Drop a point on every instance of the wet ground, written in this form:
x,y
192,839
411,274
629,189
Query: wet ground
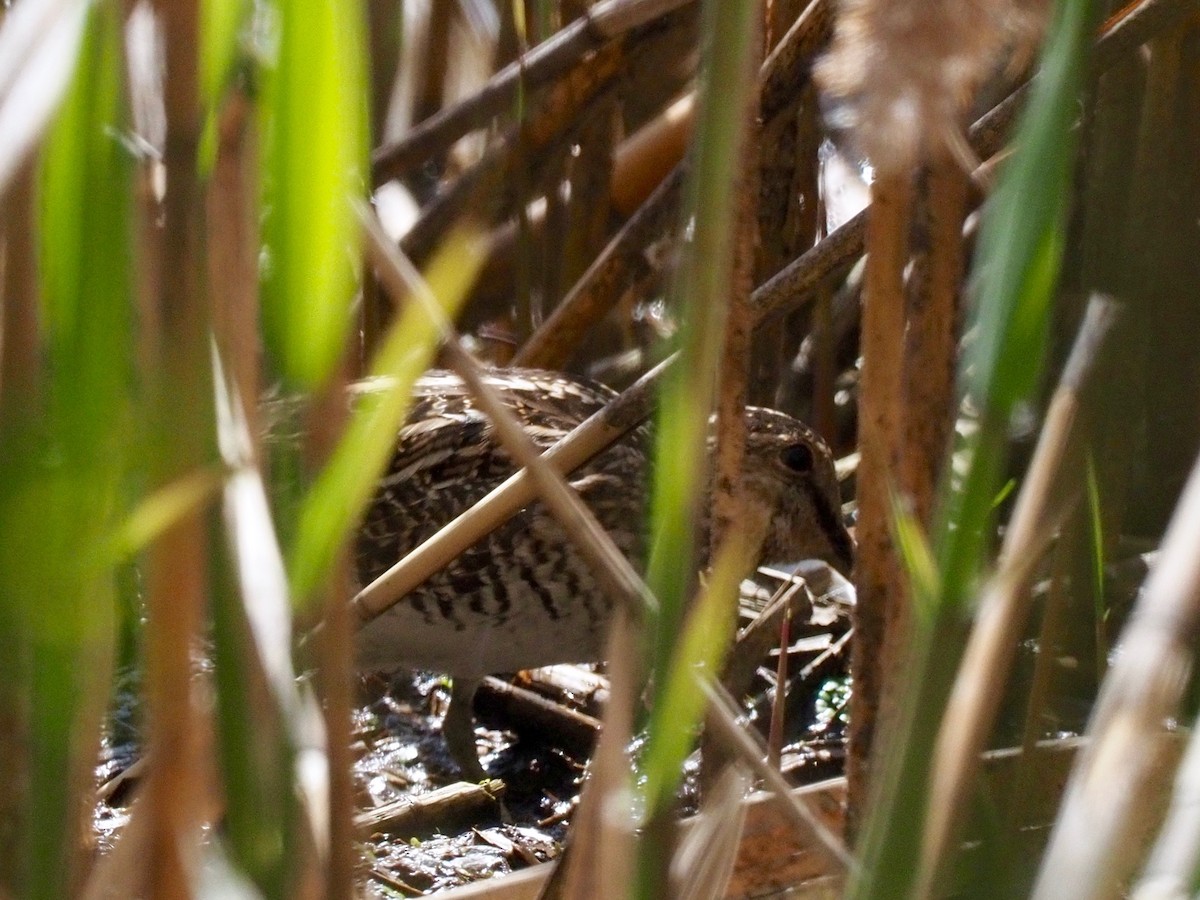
x,y
538,766
403,755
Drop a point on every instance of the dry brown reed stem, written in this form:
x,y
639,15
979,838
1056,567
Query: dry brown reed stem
x,y
20,356
790,212
1176,851
788,67
176,573
122,872
602,23
1029,781
414,815
1045,498
1152,167
520,147
732,390
1135,23
233,242
823,364
733,373
551,345
600,859
336,654
778,705
704,861
733,377
555,340
797,282
881,616
649,156
931,339
1125,768
722,719
335,650
791,220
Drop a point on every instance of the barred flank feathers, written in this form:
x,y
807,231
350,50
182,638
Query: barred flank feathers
x,y
901,73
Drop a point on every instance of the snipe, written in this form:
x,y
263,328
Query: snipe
x,y
523,596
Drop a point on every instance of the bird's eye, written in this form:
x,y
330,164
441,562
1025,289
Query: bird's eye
x,y
798,458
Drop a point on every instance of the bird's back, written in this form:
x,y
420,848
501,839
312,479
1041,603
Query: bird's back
x,y
522,596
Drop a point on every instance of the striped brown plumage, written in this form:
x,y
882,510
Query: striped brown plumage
x,y
524,596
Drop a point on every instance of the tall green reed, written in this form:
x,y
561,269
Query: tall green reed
x,y
65,449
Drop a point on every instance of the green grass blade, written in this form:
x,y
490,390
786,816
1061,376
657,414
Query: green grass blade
x,y
314,129
62,472
344,487
156,513
681,703
220,22
1095,514
700,293
85,256
1017,265
917,557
